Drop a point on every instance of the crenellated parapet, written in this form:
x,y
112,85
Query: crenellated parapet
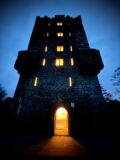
x,y
27,61
89,61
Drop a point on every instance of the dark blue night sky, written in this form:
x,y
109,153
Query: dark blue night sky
x,y
101,20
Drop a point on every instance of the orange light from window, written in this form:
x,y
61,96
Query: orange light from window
x,y
60,48
70,81
59,62
59,23
71,48
60,34
47,34
44,62
36,81
72,61
46,48
69,34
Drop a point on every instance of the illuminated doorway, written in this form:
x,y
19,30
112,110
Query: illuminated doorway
x,y
61,126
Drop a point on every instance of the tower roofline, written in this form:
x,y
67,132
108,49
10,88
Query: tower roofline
x,y
59,16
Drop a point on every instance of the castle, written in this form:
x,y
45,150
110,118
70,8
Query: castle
x,y
58,90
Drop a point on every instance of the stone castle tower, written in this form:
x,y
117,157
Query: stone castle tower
x,y
58,89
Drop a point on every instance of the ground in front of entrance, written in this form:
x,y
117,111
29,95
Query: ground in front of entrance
x,y
56,147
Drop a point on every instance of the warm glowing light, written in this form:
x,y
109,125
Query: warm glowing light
x,y
61,122
72,61
47,34
71,49
44,62
70,81
46,48
59,62
60,48
48,24
36,81
61,113
60,34
59,23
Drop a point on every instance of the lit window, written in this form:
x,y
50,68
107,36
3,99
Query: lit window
x,y
47,34
59,23
48,24
72,61
44,62
46,48
60,34
60,48
69,34
35,81
59,62
71,49
70,82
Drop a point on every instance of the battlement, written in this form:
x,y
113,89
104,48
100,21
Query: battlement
x,y
89,61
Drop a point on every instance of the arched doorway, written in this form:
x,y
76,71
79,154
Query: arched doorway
x,y
61,122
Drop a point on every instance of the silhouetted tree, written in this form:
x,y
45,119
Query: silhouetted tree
x,y
2,96
6,119
7,104
116,80
2,93
116,77
107,96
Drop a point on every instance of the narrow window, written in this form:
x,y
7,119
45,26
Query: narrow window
x,y
35,81
72,61
71,48
69,34
59,62
44,62
46,48
59,23
60,34
47,34
60,48
70,82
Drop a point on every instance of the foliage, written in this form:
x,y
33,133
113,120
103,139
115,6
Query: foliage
x,y
2,93
116,80
107,96
116,77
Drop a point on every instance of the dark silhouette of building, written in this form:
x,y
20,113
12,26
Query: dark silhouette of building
x,y
58,90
